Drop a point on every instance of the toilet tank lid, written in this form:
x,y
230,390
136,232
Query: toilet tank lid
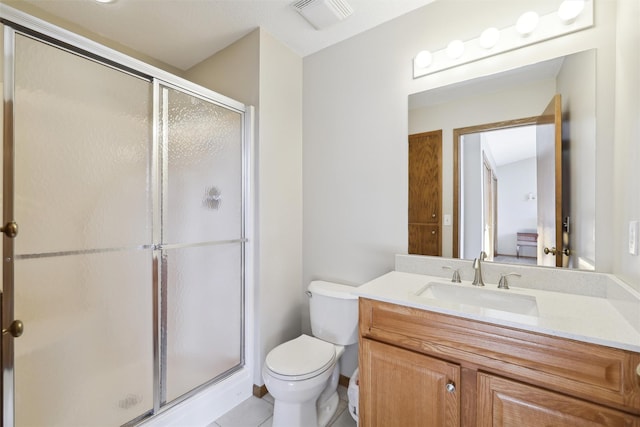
x,y
331,289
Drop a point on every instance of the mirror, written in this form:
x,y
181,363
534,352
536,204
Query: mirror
x,y
487,116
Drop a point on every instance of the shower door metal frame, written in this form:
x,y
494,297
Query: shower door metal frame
x,y
6,346
18,22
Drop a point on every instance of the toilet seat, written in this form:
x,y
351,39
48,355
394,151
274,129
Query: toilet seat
x,y
301,358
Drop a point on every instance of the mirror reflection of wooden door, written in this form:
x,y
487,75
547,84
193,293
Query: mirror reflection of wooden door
x,y
425,193
549,176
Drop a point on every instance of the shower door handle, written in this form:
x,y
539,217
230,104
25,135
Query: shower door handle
x,y
16,328
10,229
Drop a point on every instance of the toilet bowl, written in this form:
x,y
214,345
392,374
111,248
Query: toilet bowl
x,y
299,375
302,374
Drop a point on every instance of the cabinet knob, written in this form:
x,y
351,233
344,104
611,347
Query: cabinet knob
x,y
451,387
433,215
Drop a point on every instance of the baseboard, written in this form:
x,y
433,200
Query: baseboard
x,y
260,390
344,381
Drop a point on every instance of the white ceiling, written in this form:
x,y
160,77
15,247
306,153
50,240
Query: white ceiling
x,y
183,33
512,144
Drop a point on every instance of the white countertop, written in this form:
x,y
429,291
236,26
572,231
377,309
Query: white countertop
x,y
584,318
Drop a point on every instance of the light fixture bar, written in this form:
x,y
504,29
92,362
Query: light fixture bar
x,y
549,26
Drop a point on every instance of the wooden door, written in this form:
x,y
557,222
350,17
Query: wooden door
x,y
549,183
505,403
402,388
425,193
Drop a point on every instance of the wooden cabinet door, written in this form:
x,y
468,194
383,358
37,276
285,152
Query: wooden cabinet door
x,y
504,403
402,388
424,239
425,193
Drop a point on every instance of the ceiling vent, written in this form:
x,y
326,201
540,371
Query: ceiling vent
x,y
323,13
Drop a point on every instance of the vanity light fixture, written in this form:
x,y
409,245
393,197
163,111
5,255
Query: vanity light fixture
x,y
423,59
105,1
455,49
527,22
569,10
489,38
531,28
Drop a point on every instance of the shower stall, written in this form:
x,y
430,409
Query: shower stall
x,y
124,246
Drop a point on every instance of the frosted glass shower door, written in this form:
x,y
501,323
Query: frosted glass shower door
x,y
83,257
202,240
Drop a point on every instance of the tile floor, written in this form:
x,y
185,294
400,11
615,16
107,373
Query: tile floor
x,y
256,412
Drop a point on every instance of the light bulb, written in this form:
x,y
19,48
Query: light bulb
x,y
527,22
423,59
489,37
569,10
455,49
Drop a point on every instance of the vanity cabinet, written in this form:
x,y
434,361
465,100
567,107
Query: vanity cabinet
x,y
415,389
503,403
421,365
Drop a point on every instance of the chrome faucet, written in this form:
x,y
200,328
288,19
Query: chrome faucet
x,y
477,266
503,283
456,274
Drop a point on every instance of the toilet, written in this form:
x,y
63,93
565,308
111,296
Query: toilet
x,y
302,374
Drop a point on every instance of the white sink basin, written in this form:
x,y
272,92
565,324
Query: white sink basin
x,y
486,299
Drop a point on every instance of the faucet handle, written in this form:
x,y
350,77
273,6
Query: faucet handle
x,y
456,273
502,283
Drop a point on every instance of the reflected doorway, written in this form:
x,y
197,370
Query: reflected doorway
x,y
498,179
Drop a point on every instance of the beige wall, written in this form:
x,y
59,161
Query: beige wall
x,y
260,71
240,60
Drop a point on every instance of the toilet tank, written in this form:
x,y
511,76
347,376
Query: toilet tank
x,y
334,312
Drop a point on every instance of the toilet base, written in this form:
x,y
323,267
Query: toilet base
x,y
294,414
311,412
